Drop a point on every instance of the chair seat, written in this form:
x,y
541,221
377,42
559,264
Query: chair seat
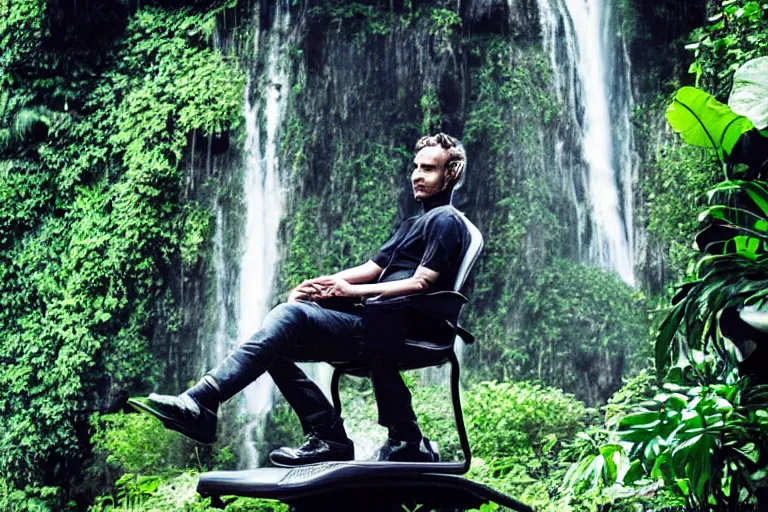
x,y
417,354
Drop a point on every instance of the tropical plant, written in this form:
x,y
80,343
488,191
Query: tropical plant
x,y
709,441
736,33
132,442
703,121
732,271
706,444
705,433
604,463
703,436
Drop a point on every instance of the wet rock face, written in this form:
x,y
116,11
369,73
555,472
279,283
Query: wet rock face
x,y
365,82
361,88
515,17
382,75
366,79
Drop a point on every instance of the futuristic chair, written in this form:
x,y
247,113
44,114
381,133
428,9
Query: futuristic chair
x,y
374,485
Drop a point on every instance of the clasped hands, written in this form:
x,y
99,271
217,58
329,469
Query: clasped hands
x,y
320,288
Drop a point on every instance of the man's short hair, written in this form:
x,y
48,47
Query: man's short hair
x,y
457,157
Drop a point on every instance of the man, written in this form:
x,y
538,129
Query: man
x,y
423,256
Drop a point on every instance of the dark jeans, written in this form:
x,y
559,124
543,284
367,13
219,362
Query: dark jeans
x,y
305,331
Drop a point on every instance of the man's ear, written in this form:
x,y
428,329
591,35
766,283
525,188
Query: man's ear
x,y
453,176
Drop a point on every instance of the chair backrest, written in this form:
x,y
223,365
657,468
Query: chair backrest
x,y
473,251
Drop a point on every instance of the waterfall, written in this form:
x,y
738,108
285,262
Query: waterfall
x,y
592,79
263,196
265,104
222,341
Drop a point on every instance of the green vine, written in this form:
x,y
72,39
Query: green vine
x,y
94,221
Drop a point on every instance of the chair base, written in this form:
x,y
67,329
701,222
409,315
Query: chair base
x,y
356,485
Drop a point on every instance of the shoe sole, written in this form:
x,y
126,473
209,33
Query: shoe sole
x,y
167,422
283,465
435,452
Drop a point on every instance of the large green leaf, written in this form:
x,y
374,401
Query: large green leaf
x,y
746,246
634,472
610,467
639,418
666,336
703,121
749,96
673,401
757,193
738,217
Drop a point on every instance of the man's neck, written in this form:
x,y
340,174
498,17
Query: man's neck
x,y
440,199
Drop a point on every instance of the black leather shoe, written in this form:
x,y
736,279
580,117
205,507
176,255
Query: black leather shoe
x,y
181,413
408,451
313,451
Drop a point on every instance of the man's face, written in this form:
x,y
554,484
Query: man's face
x,y
430,175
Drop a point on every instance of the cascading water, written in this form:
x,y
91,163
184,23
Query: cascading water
x,y
592,82
222,341
265,103
263,197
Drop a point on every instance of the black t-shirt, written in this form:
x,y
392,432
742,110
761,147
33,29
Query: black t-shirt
x,y
436,240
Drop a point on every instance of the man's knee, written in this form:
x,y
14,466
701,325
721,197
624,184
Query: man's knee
x,y
290,316
292,309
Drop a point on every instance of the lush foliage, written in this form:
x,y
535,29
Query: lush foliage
x,y
703,437
144,472
132,442
511,93
736,33
172,493
517,431
730,272
704,444
430,105
706,440
366,217
352,227
578,322
93,217
677,176
373,18
675,191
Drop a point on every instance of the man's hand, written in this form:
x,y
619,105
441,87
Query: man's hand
x,y
334,287
311,289
296,296
326,287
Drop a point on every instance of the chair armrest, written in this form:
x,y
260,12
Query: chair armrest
x,y
432,317
465,335
445,305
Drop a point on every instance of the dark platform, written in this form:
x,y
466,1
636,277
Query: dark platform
x,y
357,485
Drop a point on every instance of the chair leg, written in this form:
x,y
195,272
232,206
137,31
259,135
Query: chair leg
x,y
458,413
337,372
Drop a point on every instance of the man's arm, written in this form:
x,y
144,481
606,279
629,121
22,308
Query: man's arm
x,y
314,288
419,282
442,250
368,272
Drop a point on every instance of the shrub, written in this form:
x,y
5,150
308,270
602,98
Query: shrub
x,y
583,330
134,443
